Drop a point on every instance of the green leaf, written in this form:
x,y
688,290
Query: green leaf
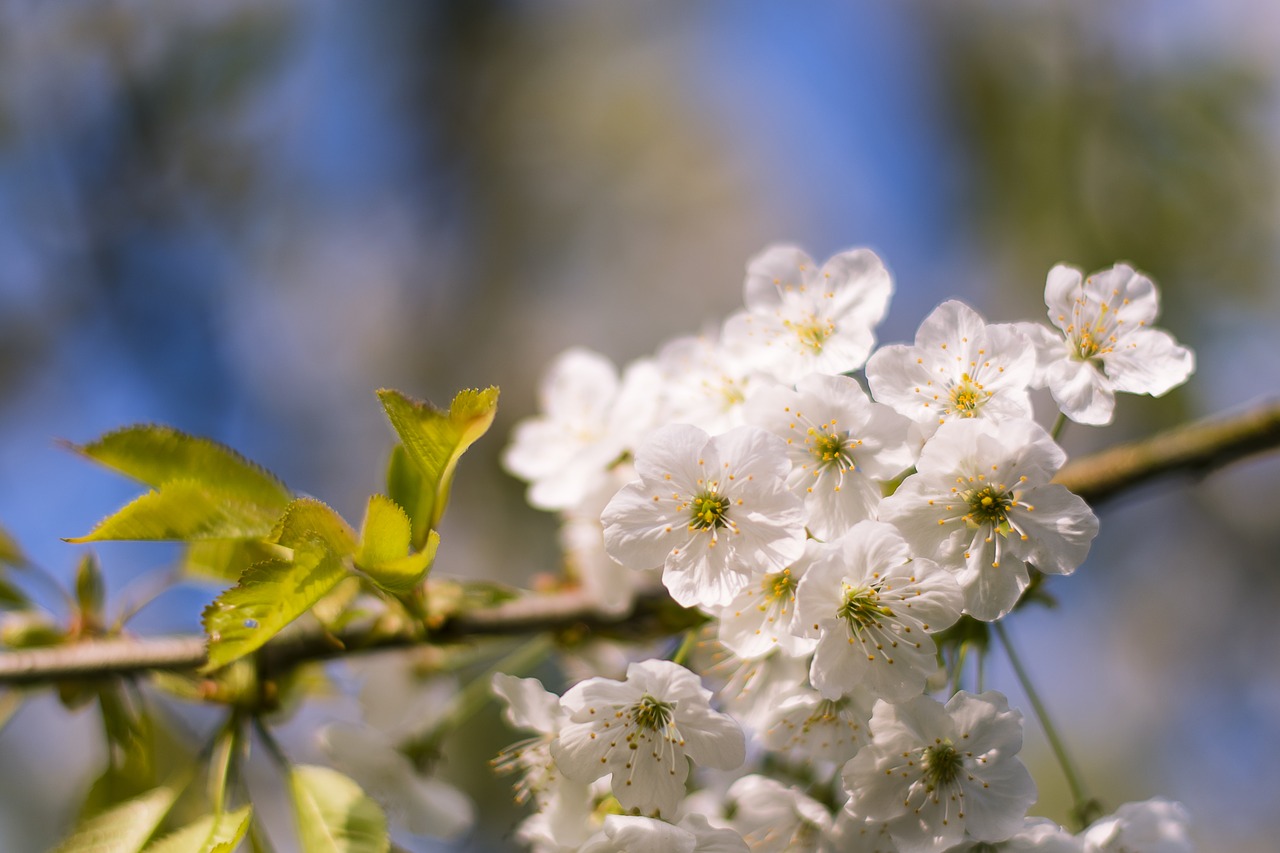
x,y
215,833
201,489
333,815
273,593
11,597
405,485
185,511
434,440
159,455
384,542
123,829
226,559
91,591
10,552
269,596
307,521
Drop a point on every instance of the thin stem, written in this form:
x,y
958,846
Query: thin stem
x,y
220,762
686,646
1058,426
479,691
957,670
981,675
272,745
1082,803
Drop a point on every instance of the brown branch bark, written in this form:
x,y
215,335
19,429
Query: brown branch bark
x,y
1192,449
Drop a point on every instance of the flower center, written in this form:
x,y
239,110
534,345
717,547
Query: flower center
x,y
710,511
779,586
861,608
967,396
989,505
942,764
651,714
812,333
831,450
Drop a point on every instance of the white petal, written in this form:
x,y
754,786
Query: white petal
x,y
1081,391
529,704
1149,361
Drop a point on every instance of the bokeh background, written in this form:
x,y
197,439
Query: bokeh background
x,y
241,218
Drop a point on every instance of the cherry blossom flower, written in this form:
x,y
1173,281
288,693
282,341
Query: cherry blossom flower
x,y
1105,342
1152,826
820,729
633,834
713,511
589,419
872,607
959,367
762,616
802,318
564,816
842,447
706,381
774,818
1037,835
641,731
982,504
934,773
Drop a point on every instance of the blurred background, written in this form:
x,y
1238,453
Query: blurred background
x,y
241,218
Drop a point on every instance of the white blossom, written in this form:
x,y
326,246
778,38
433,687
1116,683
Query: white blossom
x,y
706,381
1037,835
712,511
589,419
820,729
982,504
641,731
774,818
1105,342
1152,826
934,773
802,318
762,616
635,834
872,608
842,446
959,367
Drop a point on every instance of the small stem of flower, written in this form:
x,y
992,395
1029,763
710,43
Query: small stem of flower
x,y
1058,426
1082,805
957,667
981,675
220,762
273,746
479,691
686,646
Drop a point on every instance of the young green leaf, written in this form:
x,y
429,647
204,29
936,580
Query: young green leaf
x,y
406,486
11,597
384,542
158,455
123,829
273,593
307,520
269,596
215,833
434,440
185,511
201,489
10,552
333,815
226,559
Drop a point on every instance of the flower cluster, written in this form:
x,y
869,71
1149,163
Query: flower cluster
x,y
829,534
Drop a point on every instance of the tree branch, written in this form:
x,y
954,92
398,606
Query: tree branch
x,y
1193,448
